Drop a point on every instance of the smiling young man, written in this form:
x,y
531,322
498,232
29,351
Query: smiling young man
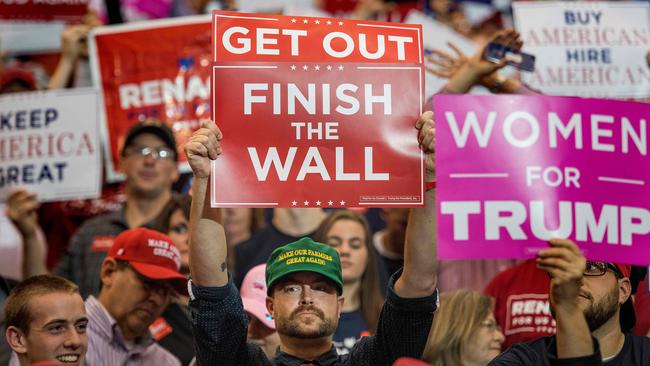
x,y
138,279
305,283
46,321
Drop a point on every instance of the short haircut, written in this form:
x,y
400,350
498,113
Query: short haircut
x,y
17,307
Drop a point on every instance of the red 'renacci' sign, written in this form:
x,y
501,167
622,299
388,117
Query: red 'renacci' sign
x,y
316,112
156,69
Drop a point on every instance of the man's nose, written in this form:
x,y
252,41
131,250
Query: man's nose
x,y
306,297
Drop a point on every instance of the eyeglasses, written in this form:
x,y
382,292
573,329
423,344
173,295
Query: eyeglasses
x,y
165,288
595,269
158,153
491,326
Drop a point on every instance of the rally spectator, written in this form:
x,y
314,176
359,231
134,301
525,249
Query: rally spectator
x,y
240,224
287,225
5,350
465,72
464,331
173,329
592,305
46,321
17,79
73,46
139,277
305,296
148,161
261,326
521,306
349,233
449,13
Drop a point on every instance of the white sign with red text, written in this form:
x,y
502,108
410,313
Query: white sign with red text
x,y
49,144
588,49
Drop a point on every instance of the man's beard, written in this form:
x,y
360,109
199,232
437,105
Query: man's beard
x,y
291,326
599,313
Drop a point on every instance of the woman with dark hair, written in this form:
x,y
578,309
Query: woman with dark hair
x,y
349,233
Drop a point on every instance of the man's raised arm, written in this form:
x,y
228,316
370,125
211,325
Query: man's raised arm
x,y
419,277
207,238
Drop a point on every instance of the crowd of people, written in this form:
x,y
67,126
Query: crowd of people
x,y
149,274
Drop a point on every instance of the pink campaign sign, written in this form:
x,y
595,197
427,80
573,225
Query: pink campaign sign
x,y
514,171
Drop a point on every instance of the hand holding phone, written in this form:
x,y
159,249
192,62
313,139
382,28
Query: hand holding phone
x,y
495,52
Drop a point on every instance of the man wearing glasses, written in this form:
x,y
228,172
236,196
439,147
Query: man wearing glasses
x,y
590,302
149,164
139,277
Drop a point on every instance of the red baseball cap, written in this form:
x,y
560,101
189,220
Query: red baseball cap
x,y
152,254
407,361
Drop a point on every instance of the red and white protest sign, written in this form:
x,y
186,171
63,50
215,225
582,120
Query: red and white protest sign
x,y
156,69
43,10
316,112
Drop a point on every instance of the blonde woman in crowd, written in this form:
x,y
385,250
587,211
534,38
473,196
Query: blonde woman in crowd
x,y
464,331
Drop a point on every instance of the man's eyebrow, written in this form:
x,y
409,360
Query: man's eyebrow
x,y
55,322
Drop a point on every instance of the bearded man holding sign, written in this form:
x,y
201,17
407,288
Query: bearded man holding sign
x,y
305,284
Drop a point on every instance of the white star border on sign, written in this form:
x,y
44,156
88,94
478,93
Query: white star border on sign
x,y
319,203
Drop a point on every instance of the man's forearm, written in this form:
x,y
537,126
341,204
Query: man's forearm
x,y
33,258
419,277
573,336
208,248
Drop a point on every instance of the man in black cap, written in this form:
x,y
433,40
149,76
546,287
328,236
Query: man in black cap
x,y
593,309
304,283
149,164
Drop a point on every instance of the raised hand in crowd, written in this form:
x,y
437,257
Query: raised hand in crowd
x,y
444,64
465,72
565,264
73,46
208,248
21,210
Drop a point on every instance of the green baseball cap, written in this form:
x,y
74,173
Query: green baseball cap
x,y
304,255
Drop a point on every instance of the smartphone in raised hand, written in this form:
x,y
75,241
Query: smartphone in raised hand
x,y
495,52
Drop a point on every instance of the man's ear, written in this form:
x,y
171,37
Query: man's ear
x,y
341,301
176,175
16,339
269,304
624,290
107,272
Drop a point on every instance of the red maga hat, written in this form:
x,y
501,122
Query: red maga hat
x,y
152,254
